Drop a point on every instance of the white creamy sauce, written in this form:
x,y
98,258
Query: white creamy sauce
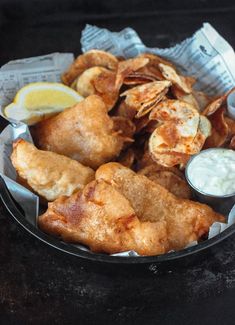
x,y
213,172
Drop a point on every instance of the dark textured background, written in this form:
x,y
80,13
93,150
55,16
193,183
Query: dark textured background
x,y
39,285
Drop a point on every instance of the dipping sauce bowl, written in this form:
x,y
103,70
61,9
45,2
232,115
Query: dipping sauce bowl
x,y
211,175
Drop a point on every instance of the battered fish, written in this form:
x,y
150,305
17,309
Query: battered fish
x,y
47,173
166,177
186,221
83,132
103,219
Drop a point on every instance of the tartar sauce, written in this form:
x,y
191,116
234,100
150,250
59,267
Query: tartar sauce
x,y
213,172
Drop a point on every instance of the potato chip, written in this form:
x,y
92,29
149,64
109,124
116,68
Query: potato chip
x,y
152,72
84,83
127,67
183,120
151,126
204,126
127,158
188,98
104,85
124,110
231,126
87,60
152,167
202,99
152,68
124,127
137,79
154,60
143,98
108,83
170,74
175,110
232,143
182,132
141,123
213,106
146,160
219,131
169,159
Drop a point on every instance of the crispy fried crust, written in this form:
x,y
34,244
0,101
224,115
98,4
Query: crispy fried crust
x,y
168,179
186,220
84,132
124,211
47,173
103,219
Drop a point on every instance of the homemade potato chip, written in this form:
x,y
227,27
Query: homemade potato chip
x,y
170,74
92,58
127,158
124,127
182,118
84,83
219,131
141,123
231,125
137,78
170,159
189,98
108,83
104,85
154,60
124,110
232,143
152,72
150,166
202,99
128,67
182,132
213,106
143,98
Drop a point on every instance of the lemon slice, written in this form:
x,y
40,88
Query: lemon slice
x,y
37,101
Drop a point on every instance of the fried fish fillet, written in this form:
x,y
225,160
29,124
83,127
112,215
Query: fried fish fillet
x,y
103,219
168,179
83,132
186,221
47,173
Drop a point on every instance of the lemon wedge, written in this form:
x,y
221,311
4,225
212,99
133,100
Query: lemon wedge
x,y
39,100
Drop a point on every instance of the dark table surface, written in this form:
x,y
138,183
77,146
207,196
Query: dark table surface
x,y
40,285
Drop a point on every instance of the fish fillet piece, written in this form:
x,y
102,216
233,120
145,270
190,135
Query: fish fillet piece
x,y
186,221
47,173
168,179
103,219
83,132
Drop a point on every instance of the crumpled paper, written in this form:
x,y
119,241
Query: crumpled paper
x,y
206,55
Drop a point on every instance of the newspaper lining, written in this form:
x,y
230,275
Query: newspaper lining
x,y
206,56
